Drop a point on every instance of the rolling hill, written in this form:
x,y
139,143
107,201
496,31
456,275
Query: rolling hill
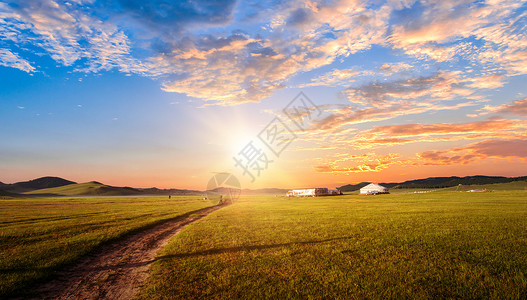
x,y
178,192
35,184
263,191
353,187
55,186
8,194
442,182
507,186
439,182
92,188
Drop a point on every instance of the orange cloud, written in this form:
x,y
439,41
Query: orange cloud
x,y
440,86
487,82
335,77
499,148
369,162
408,133
409,130
518,107
342,115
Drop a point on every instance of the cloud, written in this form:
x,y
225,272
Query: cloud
x,y
228,52
303,39
229,70
507,148
377,101
169,40
300,17
392,68
343,115
174,16
12,60
435,24
409,133
68,34
436,52
496,25
518,107
411,130
499,148
439,86
369,162
488,82
334,78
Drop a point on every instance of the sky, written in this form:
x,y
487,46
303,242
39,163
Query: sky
x,y
285,94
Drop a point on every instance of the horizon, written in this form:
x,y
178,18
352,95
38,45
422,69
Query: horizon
x,y
299,93
242,188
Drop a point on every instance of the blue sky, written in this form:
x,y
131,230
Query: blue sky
x,y
166,93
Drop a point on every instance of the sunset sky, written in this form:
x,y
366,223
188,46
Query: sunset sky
x,y
168,93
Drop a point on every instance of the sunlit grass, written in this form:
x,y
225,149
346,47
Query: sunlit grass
x,y
39,235
435,245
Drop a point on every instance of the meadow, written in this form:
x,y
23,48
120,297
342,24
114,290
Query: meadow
x,y
40,235
442,244
433,245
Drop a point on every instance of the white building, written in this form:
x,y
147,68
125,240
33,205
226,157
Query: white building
x,y
373,189
312,192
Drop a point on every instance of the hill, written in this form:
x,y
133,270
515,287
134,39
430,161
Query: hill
x,y
508,186
35,184
264,191
8,194
439,182
353,187
443,182
92,188
178,192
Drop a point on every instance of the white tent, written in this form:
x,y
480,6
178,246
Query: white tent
x,y
373,189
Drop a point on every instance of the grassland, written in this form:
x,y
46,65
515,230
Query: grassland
x,y
40,235
509,186
433,245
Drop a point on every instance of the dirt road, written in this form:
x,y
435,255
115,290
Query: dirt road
x,y
117,270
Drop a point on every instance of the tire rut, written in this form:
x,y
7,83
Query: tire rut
x,y
117,270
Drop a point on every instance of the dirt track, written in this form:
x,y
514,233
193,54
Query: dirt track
x,y
117,270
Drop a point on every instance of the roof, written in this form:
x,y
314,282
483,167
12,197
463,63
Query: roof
x,y
373,186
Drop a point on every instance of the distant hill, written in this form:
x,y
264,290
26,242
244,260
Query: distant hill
x,y
440,182
8,194
507,186
35,184
95,188
353,187
443,182
265,191
92,188
178,192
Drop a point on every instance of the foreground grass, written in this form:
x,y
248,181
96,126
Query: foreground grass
x,y
40,235
435,245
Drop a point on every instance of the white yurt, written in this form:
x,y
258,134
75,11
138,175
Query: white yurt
x,y
373,189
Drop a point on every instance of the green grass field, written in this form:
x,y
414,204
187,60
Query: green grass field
x,y
39,235
434,245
